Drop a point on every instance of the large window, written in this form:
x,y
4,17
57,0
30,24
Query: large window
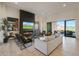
x,y
70,28
60,26
67,27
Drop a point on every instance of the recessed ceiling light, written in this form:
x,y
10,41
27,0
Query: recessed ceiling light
x,y
64,5
15,2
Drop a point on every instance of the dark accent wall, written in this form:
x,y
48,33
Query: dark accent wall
x,y
26,17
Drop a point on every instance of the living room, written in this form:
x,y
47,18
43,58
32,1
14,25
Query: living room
x,y
36,21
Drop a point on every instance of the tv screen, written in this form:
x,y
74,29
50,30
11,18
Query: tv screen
x,y
28,25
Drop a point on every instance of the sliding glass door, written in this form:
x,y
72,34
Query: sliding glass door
x,y
67,27
70,28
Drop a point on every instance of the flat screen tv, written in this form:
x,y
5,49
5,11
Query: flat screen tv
x,y
28,26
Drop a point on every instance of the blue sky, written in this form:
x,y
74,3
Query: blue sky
x,y
28,23
69,23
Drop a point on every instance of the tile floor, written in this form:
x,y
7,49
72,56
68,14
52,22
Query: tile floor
x,y
69,47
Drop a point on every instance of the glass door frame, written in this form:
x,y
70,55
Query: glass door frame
x,y
65,26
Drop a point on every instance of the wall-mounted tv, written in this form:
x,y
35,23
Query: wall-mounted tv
x,y
28,26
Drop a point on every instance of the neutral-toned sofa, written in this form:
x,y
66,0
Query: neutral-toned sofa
x,y
47,44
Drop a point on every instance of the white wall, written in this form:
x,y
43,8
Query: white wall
x,y
42,22
7,11
43,18
69,14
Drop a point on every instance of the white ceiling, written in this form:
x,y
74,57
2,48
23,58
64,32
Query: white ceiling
x,y
44,7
